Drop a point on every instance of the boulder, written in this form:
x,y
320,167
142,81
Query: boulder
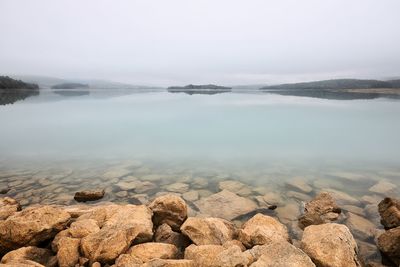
x,y
120,226
148,251
89,195
278,254
169,263
68,251
126,260
330,245
23,255
321,209
383,187
225,205
360,227
389,209
169,209
8,206
389,244
216,256
208,231
262,229
165,234
31,227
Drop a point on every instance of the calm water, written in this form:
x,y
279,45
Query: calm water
x,y
52,145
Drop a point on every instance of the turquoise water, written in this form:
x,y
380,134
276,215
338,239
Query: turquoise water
x,y
225,127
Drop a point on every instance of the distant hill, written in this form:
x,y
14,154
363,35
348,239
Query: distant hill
x,y
332,85
12,90
9,83
199,89
70,86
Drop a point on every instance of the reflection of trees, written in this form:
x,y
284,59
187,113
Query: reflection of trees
x,y
9,96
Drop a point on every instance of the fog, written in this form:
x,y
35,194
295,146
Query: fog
x,y
178,42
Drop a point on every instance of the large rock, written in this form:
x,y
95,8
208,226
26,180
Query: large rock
x,y
383,187
225,205
120,226
31,227
169,209
126,260
262,229
165,234
321,209
330,245
389,209
26,254
68,252
360,227
216,256
149,251
389,244
8,206
169,263
208,231
278,254
89,195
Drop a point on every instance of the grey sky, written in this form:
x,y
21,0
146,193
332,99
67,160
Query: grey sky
x,y
205,41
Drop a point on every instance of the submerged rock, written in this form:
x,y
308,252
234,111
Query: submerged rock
x,y
8,206
330,245
83,196
169,209
389,244
321,209
299,184
360,226
389,210
208,231
383,187
235,186
225,205
31,227
262,229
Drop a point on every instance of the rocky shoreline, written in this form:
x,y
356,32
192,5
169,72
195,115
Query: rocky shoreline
x,y
162,234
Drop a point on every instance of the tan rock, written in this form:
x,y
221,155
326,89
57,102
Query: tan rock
x,y
8,206
279,254
68,251
148,251
383,187
191,195
289,212
262,229
199,183
239,188
127,185
273,198
31,227
321,209
389,210
225,205
298,195
165,234
299,184
169,209
389,244
178,187
330,245
216,256
120,226
169,263
23,255
89,195
342,198
354,209
371,199
208,231
360,227
126,260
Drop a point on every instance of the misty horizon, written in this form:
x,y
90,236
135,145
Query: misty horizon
x,y
177,43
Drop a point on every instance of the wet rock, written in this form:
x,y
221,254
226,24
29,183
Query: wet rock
x,y
389,210
372,213
169,209
262,229
169,263
383,187
115,173
165,234
25,254
289,212
299,184
298,195
68,251
389,244
191,195
149,251
8,206
330,245
146,186
4,190
239,188
354,209
87,195
371,199
120,226
178,187
199,183
225,205
321,209
360,227
208,231
127,185
31,227
342,198
279,254
273,198
216,256
366,250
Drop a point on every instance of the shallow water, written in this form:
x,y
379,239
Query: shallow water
x,y
53,145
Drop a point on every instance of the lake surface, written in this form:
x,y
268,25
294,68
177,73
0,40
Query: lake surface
x,y
138,144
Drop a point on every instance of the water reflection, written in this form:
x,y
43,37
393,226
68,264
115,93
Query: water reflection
x,y
10,96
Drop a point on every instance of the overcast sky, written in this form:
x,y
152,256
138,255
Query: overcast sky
x,y
167,42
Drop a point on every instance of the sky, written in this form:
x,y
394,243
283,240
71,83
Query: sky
x,y
176,42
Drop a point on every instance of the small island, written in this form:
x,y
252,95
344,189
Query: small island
x,y
12,90
191,89
70,86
